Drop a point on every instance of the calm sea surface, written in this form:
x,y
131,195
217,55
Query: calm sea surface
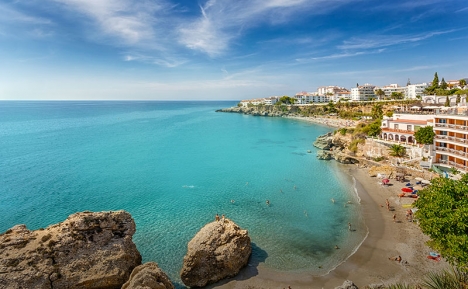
x,y
173,166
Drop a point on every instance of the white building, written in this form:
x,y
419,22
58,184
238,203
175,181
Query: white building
x,y
363,92
414,90
389,89
270,100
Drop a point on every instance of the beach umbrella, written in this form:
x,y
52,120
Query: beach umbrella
x,y
385,181
407,190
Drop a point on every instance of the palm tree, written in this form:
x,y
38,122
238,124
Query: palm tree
x,y
397,150
380,93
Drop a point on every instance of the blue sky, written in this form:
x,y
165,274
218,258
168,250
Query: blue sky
x,y
223,49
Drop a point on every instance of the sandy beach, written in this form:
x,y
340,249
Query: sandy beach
x,y
370,264
331,121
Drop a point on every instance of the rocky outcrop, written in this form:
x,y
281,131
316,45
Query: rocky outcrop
x,y
219,250
148,276
87,250
324,155
266,110
324,142
347,285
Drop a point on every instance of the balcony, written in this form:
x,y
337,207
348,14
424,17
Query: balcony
x,y
447,163
386,129
452,126
452,138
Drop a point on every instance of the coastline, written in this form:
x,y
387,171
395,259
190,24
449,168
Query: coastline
x,y
369,264
326,121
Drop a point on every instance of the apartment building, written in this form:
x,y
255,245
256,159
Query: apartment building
x,y
391,88
363,92
451,139
413,90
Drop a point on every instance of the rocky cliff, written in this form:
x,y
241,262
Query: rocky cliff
x,y
87,250
265,110
334,147
219,250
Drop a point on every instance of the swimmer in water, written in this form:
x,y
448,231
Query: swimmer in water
x,y
333,200
336,247
267,202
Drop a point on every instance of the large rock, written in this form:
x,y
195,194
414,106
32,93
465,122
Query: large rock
x,y
148,276
324,155
87,250
219,250
324,142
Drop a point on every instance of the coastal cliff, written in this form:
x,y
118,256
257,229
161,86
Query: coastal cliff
x,y
87,250
219,250
334,147
265,110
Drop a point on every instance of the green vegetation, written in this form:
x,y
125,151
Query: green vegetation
x,y
397,150
425,135
380,93
353,146
443,216
377,112
343,131
462,82
285,100
397,95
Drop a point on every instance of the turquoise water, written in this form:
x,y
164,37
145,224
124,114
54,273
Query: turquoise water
x,y
173,166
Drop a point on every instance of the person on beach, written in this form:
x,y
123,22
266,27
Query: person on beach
x,y
394,218
349,226
217,217
396,258
223,219
388,204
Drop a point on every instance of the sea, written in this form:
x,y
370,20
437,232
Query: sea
x,y
174,165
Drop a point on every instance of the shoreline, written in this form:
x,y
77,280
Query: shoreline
x,y
334,122
369,264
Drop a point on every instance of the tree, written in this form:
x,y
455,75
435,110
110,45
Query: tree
x,y
377,112
380,93
443,216
397,150
435,81
425,135
443,84
458,98
285,100
374,128
462,82
397,95
447,101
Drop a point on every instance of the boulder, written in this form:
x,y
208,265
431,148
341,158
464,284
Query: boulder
x,y
219,250
324,142
87,250
148,276
324,155
344,158
347,285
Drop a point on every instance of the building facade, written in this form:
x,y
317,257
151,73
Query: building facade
x,y
451,141
413,90
363,92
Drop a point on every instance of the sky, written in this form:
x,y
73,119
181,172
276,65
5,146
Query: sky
x,y
223,49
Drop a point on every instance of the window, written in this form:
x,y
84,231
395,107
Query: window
x,y
408,127
395,126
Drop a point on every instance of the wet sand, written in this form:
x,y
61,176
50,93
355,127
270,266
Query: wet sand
x,y
370,263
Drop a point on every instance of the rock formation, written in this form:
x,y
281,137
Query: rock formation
x,y
219,250
148,276
324,142
87,250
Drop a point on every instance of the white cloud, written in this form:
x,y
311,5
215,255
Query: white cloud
x,y
376,41
127,20
222,21
168,61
